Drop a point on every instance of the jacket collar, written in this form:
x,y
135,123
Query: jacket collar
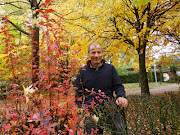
x,y
89,64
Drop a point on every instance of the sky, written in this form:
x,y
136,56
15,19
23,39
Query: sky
x,y
162,50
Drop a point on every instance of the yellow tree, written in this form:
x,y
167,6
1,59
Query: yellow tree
x,y
128,26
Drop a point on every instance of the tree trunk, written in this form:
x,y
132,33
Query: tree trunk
x,y
35,44
143,75
35,57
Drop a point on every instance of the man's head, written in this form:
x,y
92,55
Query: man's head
x,y
95,53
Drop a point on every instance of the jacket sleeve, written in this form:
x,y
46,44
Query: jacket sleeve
x,y
78,90
117,84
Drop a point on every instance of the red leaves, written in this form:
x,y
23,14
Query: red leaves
x,y
53,77
6,127
65,46
47,58
28,75
28,132
79,99
40,11
14,134
26,127
35,42
48,87
61,37
47,1
5,19
46,4
49,10
80,132
52,47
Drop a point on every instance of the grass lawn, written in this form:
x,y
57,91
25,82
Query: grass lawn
x,y
151,84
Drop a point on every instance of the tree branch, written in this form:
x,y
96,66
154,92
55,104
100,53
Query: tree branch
x,y
11,3
167,9
19,28
39,2
148,17
129,6
115,24
73,23
14,13
132,24
138,24
120,34
14,2
15,6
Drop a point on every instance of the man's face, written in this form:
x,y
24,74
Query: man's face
x,y
95,54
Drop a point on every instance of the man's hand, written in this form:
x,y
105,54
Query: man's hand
x,y
123,102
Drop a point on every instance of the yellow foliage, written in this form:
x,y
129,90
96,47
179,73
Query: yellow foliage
x,y
165,60
86,21
135,66
168,23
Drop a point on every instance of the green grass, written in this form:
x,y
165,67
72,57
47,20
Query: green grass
x,y
151,84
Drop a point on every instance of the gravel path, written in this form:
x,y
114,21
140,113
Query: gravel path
x,y
154,90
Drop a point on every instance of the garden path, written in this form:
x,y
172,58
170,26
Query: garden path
x,y
154,90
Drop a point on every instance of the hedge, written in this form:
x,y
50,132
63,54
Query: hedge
x,y
130,78
134,77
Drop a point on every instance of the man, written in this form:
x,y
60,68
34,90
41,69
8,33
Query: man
x,y
97,75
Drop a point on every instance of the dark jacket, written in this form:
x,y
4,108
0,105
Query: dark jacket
x,y
104,78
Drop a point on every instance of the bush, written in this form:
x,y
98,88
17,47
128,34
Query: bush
x,y
130,78
134,77
112,118
29,112
158,114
